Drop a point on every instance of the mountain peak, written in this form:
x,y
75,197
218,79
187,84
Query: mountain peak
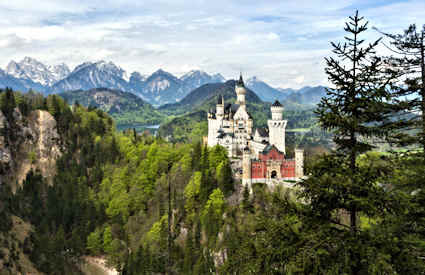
x,y
28,59
82,66
31,69
104,65
161,72
139,76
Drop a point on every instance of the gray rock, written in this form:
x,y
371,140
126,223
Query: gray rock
x,y
5,156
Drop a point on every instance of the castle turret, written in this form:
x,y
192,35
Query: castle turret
x,y
246,167
220,106
240,91
277,127
299,163
277,110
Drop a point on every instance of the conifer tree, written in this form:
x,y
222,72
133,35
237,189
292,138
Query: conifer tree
x,y
355,109
8,103
408,63
338,189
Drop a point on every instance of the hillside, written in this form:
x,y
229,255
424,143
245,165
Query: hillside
x,y
205,98
127,109
191,121
109,196
265,91
307,96
189,127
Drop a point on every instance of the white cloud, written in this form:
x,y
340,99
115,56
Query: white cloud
x,y
299,79
283,42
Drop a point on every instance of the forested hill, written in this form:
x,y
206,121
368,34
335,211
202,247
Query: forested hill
x,y
108,194
126,108
205,97
105,194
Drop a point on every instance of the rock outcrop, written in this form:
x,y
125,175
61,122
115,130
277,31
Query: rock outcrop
x,y
5,156
26,143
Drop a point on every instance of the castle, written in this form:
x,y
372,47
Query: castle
x,y
262,151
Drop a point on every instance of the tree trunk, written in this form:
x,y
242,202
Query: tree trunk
x,y
423,93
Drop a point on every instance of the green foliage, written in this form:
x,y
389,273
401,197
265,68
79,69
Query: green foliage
x,y
6,207
358,212
7,103
191,193
224,177
211,215
95,241
190,127
407,62
127,109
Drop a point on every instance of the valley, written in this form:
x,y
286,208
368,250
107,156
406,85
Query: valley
x,y
212,137
159,99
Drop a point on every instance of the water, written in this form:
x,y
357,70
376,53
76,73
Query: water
x,y
139,127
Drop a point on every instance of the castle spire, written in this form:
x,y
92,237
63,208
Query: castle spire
x,y
220,99
240,82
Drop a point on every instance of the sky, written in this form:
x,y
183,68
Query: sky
x,y
281,42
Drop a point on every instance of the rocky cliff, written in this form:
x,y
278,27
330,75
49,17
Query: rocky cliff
x,y
28,142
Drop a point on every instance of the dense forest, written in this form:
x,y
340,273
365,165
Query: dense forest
x,y
154,207
127,109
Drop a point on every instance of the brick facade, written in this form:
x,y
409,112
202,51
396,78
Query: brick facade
x,y
267,163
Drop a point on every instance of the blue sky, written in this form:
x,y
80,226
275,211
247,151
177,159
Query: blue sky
x,y
281,42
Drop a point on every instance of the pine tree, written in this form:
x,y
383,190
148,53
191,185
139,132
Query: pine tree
x,y
408,64
224,177
8,103
246,203
338,189
196,156
188,253
355,109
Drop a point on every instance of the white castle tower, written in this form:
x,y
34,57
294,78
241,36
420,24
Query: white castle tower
x,y
246,167
215,121
240,92
277,127
220,107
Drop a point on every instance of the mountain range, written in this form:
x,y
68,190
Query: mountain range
x,y
159,88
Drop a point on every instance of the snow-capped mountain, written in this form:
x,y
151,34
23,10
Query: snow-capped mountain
x,y
59,71
195,79
265,91
161,87
20,84
32,69
91,75
136,82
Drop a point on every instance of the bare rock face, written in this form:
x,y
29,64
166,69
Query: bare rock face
x,y
47,143
41,146
5,156
36,145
